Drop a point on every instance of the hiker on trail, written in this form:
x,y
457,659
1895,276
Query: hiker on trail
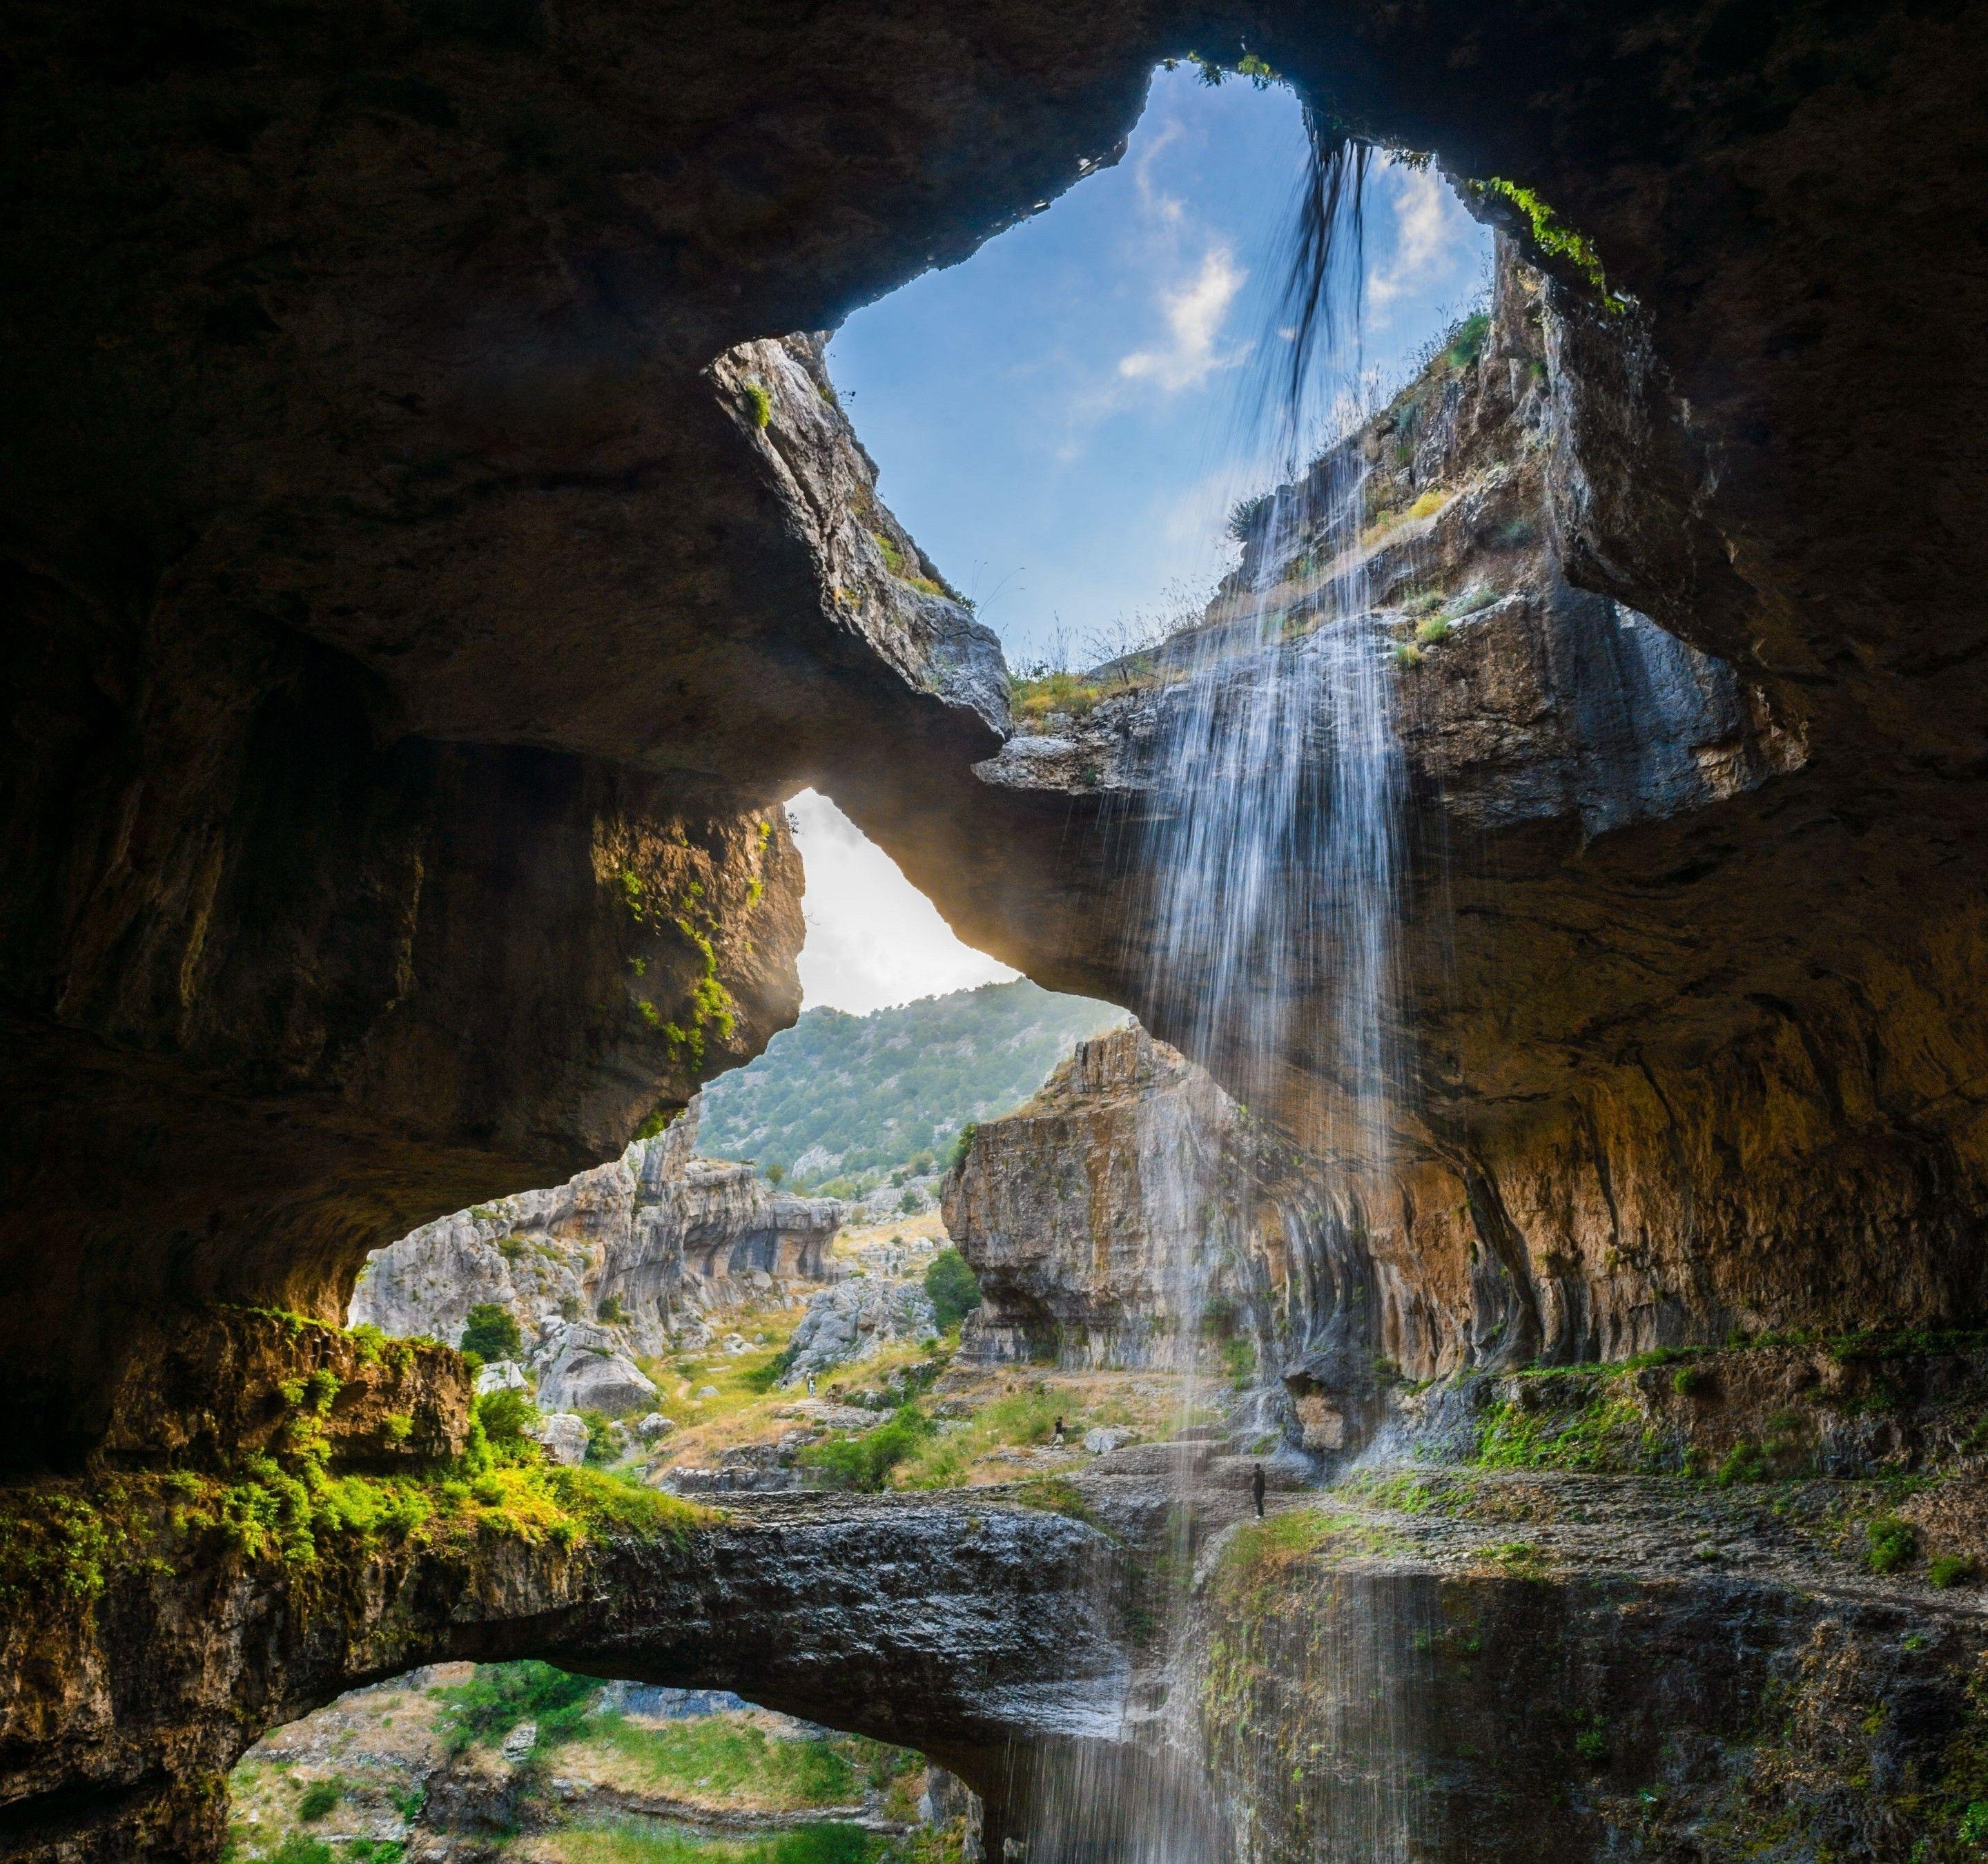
x,y
1256,1488
1056,1435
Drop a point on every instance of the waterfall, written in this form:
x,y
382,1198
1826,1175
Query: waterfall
x,y
1277,776
1272,839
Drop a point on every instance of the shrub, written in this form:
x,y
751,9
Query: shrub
x,y
760,404
1744,1462
1889,1543
506,1417
602,1445
1435,629
1407,655
1689,1380
1953,1569
776,1174
951,1287
612,1312
1248,514
320,1796
493,1331
962,1146
301,1848
500,1696
863,1462
1466,340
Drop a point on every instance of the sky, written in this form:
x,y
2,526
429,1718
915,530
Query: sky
x,y
873,939
1057,419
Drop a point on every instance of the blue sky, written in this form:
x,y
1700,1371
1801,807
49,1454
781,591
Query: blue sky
x,y
1058,420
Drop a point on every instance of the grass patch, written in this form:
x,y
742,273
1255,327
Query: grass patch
x,y
1039,696
1259,1554
633,1842
1057,1495
728,1760
500,1696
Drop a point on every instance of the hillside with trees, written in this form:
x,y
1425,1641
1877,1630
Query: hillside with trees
x,y
840,1102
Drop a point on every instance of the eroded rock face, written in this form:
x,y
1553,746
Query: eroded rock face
x,y
1104,1214
652,1241
386,528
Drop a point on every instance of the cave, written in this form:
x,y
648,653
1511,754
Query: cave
x,y
438,554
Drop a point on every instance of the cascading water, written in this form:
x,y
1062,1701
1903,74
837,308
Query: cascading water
x,y
1272,836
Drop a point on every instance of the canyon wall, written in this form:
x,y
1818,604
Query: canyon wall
x,y
651,1242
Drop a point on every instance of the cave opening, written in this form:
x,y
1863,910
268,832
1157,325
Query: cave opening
x,y
416,654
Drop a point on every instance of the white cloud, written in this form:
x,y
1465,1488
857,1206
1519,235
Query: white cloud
x,y
1196,313
1432,232
873,939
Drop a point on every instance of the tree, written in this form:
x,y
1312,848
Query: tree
x,y
951,1288
493,1331
776,1174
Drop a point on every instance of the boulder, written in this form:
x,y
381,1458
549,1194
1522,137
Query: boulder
x,y
502,1375
563,1436
585,1370
654,1425
855,1320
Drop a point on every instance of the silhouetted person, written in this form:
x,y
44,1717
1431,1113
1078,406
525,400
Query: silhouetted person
x,y
1257,1489
1056,1437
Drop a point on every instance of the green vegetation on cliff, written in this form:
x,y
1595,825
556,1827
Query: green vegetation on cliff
x,y
839,1096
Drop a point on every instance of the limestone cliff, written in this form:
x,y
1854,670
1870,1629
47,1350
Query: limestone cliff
x,y
1133,1210
645,1245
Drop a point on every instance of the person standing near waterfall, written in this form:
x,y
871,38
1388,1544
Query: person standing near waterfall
x,y
1256,1486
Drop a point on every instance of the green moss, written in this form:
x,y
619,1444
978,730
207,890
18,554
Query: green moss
x,y
1604,1432
1402,1494
759,405
1952,1569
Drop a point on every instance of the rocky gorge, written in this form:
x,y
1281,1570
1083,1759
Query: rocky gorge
x,y
434,559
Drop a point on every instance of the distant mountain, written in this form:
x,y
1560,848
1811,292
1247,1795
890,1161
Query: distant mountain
x,y
842,1098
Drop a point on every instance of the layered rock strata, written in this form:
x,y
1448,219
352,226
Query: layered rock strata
x,y
629,1256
